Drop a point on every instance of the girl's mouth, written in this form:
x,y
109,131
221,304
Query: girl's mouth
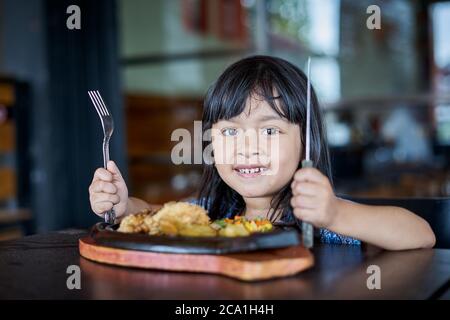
x,y
250,171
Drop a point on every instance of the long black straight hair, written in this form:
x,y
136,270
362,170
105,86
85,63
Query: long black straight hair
x,y
226,98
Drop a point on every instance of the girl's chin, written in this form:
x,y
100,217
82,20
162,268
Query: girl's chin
x,y
247,192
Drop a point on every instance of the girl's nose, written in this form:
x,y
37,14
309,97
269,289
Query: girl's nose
x,y
248,146
249,154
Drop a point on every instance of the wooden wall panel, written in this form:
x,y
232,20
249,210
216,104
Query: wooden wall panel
x,y
7,137
7,95
150,122
7,184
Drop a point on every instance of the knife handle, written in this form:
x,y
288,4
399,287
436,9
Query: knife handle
x,y
307,228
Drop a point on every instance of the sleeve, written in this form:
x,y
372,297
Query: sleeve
x,y
327,236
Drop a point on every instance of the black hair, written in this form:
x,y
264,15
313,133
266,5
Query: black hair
x,y
226,98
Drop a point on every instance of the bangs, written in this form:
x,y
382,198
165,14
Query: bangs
x,y
260,80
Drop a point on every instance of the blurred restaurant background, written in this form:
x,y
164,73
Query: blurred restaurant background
x,y
385,94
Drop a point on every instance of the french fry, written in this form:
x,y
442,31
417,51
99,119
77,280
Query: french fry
x,y
197,231
234,230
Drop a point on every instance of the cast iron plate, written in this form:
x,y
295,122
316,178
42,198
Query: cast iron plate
x,y
280,237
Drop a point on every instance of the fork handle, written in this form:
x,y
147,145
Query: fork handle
x,y
105,152
110,215
307,228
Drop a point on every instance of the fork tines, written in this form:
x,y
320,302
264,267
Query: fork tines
x,y
98,103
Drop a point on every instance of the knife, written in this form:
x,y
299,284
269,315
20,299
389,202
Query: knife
x,y
307,228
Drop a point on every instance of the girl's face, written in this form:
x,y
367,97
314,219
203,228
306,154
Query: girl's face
x,y
257,152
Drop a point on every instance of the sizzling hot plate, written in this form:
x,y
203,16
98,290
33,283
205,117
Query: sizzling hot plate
x,y
280,237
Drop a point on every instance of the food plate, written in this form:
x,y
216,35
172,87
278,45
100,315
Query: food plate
x,y
280,237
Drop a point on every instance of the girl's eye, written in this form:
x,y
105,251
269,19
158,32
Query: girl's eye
x,y
229,132
271,131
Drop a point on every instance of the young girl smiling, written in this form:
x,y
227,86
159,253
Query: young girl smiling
x,y
256,113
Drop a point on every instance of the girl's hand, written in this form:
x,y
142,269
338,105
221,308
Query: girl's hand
x,y
313,199
108,189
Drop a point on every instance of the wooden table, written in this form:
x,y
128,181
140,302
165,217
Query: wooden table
x,y
35,267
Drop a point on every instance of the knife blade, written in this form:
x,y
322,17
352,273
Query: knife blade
x,y
307,228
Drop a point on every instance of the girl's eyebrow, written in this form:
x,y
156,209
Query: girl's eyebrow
x,y
269,118
261,119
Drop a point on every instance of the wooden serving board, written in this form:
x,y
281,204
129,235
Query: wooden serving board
x,y
251,266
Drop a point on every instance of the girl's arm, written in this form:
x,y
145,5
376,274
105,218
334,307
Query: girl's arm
x,y
388,227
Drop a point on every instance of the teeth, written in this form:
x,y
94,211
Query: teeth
x,y
252,170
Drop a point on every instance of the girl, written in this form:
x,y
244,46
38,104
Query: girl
x,y
260,173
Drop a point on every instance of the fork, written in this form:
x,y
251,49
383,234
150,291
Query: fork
x,y
108,128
